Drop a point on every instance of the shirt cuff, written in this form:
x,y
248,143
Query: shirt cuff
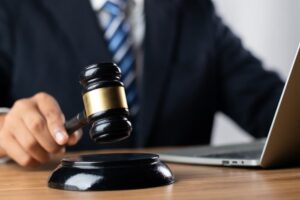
x,y
4,159
4,110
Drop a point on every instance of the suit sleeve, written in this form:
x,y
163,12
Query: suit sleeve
x,y
6,51
247,92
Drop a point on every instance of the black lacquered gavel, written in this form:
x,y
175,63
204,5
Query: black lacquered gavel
x,y
105,104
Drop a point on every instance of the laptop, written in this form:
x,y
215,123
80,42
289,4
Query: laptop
x,y
280,148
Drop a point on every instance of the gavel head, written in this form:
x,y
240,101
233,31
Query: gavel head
x,y
105,103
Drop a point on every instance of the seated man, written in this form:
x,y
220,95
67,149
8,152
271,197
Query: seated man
x,y
180,66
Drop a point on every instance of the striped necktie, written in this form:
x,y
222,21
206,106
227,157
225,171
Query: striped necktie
x,y
117,35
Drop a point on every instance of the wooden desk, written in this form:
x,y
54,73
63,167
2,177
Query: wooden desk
x,y
193,182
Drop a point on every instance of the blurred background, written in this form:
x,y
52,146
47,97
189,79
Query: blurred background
x,y
271,30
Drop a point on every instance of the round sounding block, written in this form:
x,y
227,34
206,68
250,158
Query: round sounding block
x,y
110,172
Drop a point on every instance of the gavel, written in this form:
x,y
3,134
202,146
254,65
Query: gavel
x,y
106,110
105,104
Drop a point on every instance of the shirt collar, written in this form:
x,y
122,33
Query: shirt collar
x,y
97,4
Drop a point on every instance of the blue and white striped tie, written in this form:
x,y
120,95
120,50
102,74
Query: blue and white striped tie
x,y
116,33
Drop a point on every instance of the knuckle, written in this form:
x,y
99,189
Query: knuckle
x,y
41,96
36,124
21,103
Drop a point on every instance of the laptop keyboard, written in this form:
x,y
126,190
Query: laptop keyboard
x,y
253,154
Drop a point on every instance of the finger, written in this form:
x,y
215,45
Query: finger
x,y
17,153
37,126
51,111
75,137
29,143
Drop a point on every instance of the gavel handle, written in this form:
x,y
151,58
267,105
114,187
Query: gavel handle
x,y
76,123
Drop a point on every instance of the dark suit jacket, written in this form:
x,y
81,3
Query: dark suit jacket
x,y
194,66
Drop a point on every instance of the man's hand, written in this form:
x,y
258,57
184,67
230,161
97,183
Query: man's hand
x,y
33,130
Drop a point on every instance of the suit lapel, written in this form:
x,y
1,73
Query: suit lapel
x,y
81,31
158,46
